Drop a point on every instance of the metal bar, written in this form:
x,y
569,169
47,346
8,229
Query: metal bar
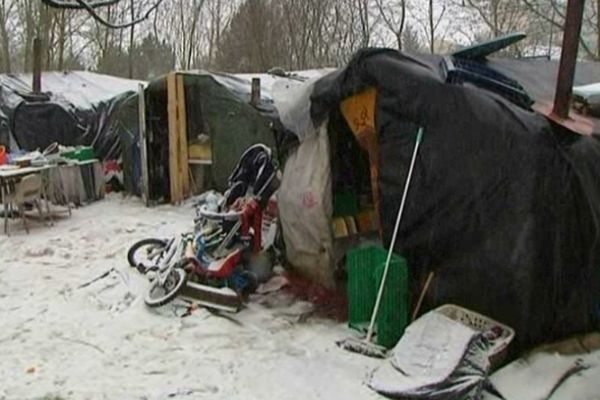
x,y
568,58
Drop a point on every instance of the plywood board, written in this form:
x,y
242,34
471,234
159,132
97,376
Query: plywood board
x,y
174,143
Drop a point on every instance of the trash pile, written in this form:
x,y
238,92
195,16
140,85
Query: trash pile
x,y
230,251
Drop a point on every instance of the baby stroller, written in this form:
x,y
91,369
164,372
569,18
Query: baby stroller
x,y
223,259
229,240
237,217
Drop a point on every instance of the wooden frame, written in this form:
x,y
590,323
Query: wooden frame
x,y
178,144
143,144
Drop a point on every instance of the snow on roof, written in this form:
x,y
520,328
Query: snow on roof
x,y
80,88
241,84
590,93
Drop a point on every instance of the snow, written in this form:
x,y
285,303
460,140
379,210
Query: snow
x,y
241,83
550,375
102,342
61,340
80,88
590,93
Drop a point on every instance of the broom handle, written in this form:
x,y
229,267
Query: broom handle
x,y
394,236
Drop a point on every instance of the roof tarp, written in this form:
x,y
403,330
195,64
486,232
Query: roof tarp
x,y
218,107
79,108
502,206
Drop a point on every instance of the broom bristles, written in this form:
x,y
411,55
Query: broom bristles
x,y
363,347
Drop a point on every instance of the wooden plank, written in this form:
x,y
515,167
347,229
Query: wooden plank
x,y
37,65
184,168
143,144
173,139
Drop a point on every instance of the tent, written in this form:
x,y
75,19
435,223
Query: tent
x,y
75,108
504,206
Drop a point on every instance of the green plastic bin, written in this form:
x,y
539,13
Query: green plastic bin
x,y
80,154
365,268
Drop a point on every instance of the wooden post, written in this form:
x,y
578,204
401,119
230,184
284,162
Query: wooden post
x,y
179,173
37,65
568,58
255,93
184,167
143,144
174,145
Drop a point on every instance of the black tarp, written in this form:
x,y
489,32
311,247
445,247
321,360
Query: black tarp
x,y
36,125
77,108
503,206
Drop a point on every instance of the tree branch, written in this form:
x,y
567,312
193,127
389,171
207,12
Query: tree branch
x,y
90,8
74,5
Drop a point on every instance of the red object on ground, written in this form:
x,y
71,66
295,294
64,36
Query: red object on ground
x,y
3,155
329,303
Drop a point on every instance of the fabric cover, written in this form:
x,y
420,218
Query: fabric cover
x,y
305,208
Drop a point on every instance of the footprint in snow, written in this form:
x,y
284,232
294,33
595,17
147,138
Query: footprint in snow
x,y
45,252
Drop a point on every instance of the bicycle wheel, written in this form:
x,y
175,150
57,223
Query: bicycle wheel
x,y
158,295
145,252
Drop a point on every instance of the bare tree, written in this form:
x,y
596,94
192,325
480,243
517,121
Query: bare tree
x,y
393,15
553,12
429,17
6,11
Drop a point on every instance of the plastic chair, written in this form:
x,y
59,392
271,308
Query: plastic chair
x,y
28,190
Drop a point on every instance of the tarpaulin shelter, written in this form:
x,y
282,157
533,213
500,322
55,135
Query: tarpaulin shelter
x,y
504,206
216,123
75,108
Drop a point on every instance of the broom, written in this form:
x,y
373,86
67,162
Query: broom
x,y
365,346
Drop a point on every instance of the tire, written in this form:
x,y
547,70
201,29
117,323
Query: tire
x,y
131,254
180,279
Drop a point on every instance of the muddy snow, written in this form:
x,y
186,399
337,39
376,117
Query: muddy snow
x,y
59,340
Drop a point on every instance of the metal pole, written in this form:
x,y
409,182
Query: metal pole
x,y
568,58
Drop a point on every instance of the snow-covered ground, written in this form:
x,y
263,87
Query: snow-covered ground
x,y
60,341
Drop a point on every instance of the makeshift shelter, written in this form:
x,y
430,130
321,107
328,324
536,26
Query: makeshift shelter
x,y
75,108
503,206
201,122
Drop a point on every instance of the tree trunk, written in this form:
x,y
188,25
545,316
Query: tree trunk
x,y
131,42
61,40
5,39
597,30
431,28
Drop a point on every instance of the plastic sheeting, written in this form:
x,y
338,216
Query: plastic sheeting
x,y
77,108
503,206
293,104
557,373
437,358
305,208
